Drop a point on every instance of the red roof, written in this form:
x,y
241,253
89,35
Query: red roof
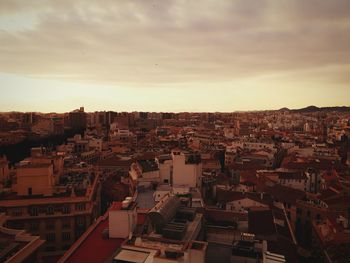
x,y
93,247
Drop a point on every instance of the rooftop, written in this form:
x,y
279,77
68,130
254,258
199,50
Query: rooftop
x,y
148,165
16,245
284,194
92,246
81,194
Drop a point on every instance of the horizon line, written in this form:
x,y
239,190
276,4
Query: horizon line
x,y
176,112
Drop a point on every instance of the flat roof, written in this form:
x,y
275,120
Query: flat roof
x,y
132,256
92,246
145,200
148,165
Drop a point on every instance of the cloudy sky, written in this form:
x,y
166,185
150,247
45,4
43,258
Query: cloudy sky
x,y
179,55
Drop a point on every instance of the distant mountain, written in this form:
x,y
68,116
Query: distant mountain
x,y
313,108
308,109
284,109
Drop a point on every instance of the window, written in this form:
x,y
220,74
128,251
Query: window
x,y
66,209
80,221
50,237
17,212
66,236
80,207
50,210
33,211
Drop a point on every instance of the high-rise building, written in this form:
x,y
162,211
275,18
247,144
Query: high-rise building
x,y
77,119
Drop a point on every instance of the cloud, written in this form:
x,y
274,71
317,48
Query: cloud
x,y
160,42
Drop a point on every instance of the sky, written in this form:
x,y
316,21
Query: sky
x,y
173,55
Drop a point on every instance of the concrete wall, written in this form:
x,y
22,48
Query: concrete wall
x,y
39,179
186,174
122,223
165,171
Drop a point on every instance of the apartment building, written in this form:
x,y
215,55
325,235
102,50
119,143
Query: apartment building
x,y
57,212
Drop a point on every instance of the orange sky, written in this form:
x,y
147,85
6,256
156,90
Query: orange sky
x,y
173,55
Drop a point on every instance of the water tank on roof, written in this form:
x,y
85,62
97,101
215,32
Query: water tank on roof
x,y
164,211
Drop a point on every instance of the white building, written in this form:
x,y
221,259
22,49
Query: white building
x,y
187,169
122,219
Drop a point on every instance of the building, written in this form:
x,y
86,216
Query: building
x,y
44,126
35,179
165,164
144,171
295,180
187,169
58,213
314,181
159,236
94,245
122,219
77,119
4,169
18,245
170,234
241,201
251,250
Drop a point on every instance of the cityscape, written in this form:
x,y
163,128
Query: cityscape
x,y
265,186
172,131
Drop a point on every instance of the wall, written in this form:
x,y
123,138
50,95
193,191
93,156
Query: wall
x,y
122,223
186,174
165,170
242,204
39,179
